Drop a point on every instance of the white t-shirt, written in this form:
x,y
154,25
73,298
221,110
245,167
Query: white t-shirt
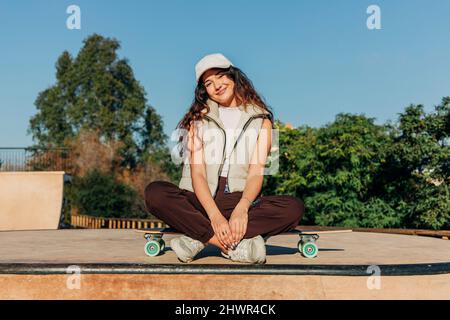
x,y
230,117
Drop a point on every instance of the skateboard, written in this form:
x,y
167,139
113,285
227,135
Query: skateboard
x,y
307,244
155,243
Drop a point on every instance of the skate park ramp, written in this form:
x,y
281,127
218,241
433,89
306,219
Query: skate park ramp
x,y
111,264
30,200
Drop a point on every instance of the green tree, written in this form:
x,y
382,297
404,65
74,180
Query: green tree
x,y
353,172
98,90
98,194
415,176
331,169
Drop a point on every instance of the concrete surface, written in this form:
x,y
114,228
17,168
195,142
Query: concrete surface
x,y
30,200
33,265
127,246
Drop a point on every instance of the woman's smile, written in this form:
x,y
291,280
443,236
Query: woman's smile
x,y
221,91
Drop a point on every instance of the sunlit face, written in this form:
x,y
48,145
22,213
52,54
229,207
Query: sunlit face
x,y
219,87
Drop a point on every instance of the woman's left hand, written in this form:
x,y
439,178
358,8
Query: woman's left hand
x,y
238,222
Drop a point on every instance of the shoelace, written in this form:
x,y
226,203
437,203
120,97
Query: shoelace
x,y
192,244
242,251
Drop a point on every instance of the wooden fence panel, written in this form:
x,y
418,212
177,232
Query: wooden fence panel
x,y
88,222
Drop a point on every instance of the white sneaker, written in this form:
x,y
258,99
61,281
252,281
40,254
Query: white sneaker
x,y
248,251
186,248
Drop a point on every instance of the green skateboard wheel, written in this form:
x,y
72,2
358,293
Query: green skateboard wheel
x,y
309,250
299,246
163,244
152,248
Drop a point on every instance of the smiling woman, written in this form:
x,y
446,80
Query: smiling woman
x,y
219,87
219,202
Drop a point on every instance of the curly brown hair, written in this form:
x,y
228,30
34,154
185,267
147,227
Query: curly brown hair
x,y
244,91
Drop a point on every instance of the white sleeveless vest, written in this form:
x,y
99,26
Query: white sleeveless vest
x,y
214,141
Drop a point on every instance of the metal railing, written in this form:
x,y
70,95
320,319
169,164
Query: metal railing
x,y
35,159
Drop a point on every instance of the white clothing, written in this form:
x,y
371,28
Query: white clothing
x,y
230,117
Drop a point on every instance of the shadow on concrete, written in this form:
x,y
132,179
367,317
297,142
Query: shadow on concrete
x,y
279,250
271,250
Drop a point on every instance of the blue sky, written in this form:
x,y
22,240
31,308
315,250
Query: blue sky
x,y
309,59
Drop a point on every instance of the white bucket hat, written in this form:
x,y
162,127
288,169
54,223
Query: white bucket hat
x,y
215,60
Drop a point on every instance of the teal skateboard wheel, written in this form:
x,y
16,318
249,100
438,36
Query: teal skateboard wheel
x,y
152,248
309,250
163,244
299,246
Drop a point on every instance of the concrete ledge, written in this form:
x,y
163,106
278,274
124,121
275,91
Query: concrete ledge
x,y
222,287
226,269
112,265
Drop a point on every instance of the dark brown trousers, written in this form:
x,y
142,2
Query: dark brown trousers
x,y
181,210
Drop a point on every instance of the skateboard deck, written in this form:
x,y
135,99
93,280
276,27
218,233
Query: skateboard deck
x,y
307,244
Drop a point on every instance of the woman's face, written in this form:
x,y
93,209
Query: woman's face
x,y
219,87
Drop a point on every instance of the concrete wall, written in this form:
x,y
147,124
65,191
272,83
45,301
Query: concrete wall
x,y
30,200
230,287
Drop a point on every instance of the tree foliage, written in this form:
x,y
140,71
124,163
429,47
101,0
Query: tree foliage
x,y
353,172
99,110
101,195
97,90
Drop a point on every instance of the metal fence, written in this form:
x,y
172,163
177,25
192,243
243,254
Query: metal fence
x,y
35,159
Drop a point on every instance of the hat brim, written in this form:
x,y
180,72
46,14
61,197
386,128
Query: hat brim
x,y
215,67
